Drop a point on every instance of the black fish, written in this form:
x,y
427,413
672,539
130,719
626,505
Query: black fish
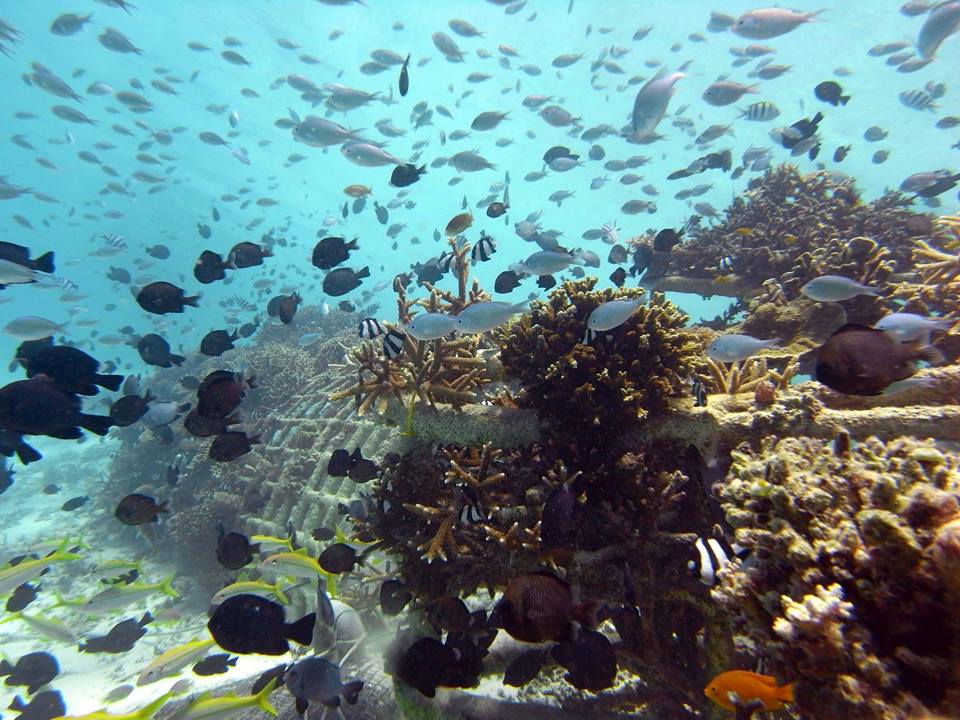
x,y
160,252
506,281
247,330
556,519
347,306
331,251
130,408
72,370
216,342
524,668
618,254
42,706
22,597
841,152
120,275
220,393
20,255
38,407
429,664
6,477
51,489
161,298
394,597
590,661
618,277
75,503
404,81
383,217
246,624
408,174
28,348
338,558
318,679
496,209
343,280
33,670
800,130
120,638
138,509
234,550
154,350
831,92
699,393
557,152
172,475
711,554
321,534
546,282
860,360
247,254
287,307
209,267
200,426
939,186
666,239
215,664
274,673
230,445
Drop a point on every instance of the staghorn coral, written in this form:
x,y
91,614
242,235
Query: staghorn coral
x,y
934,287
853,593
443,371
739,377
624,376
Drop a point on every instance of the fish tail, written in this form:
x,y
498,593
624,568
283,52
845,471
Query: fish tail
x,y
44,263
110,382
166,588
148,711
364,272
931,355
191,300
262,698
785,693
351,691
301,631
98,424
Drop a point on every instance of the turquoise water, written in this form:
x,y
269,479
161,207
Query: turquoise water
x,y
304,195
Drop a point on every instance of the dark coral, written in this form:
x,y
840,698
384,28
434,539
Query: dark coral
x,y
587,393
793,227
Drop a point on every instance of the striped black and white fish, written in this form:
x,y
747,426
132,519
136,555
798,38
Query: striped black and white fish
x,y
393,344
710,555
445,261
918,100
112,240
484,248
761,111
699,393
370,328
472,511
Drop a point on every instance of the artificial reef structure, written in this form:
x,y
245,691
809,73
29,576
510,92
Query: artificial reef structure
x,y
530,450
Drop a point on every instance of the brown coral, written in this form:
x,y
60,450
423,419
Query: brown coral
x,y
850,594
591,391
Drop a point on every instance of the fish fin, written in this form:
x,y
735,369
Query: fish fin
x,y
785,693
44,263
5,668
191,300
363,272
98,424
263,697
351,691
110,382
166,588
301,632
27,453
931,355
302,704
278,594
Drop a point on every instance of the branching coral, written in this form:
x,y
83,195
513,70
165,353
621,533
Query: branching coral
x,y
442,371
745,376
853,592
934,287
623,376
792,226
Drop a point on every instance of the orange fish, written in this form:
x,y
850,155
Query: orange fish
x,y
748,686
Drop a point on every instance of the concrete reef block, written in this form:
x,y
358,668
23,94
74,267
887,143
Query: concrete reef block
x,y
502,427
